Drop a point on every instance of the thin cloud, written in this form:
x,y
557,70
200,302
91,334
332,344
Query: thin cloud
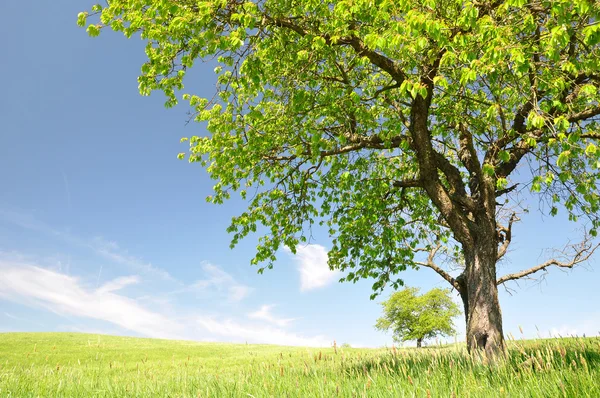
x,y
236,332
19,319
67,295
118,284
221,281
264,314
313,267
589,326
102,247
112,251
26,283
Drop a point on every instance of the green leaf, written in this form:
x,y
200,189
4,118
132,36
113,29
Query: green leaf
x,y
591,150
501,183
536,120
504,156
536,185
415,89
440,81
489,170
563,158
93,30
81,18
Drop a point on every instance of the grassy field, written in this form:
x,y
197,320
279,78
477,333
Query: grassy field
x,y
84,365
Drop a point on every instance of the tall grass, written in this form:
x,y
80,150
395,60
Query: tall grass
x,y
80,365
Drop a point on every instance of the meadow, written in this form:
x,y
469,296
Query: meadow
x,y
86,365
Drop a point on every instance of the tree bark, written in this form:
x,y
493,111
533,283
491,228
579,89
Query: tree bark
x,y
480,297
419,343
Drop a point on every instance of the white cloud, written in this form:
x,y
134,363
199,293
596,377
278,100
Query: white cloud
x,y
26,283
222,281
112,251
118,284
590,326
264,314
312,264
564,331
236,332
67,295
99,245
16,318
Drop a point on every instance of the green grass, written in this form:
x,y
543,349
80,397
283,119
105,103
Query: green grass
x,y
83,365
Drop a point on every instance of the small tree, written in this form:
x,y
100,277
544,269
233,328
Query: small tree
x,y
411,316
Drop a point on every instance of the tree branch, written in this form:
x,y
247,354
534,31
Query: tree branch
x,y
431,264
583,115
504,191
408,184
430,161
383,62
468,156
505,235
583,252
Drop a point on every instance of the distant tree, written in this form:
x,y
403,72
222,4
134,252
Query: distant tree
x,y
402,126
411,316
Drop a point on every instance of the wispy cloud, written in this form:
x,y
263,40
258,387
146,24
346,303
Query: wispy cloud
x,y
112,251
118,284
233,331
264,314
312,264
19,319
221,281
99,245
27,283
67,295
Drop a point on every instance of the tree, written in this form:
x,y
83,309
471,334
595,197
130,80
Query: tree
x,y
411,316
402,126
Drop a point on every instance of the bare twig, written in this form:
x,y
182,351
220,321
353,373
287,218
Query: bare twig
x,y
582,252
431,264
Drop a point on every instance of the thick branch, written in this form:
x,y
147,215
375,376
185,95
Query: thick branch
x,y
408,184
356,143
376,59
468,156
504,191
583,253
583,115
430,160
506,235
458,191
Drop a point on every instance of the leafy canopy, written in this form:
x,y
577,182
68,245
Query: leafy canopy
x,y
411,316
316,107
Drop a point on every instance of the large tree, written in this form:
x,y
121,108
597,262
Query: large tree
x,y
401,125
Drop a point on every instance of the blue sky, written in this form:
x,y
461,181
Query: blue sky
x,y
103,230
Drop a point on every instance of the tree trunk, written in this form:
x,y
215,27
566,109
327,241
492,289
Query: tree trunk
x,y
419,342
480,298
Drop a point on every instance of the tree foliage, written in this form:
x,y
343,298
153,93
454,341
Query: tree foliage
x,y
397,125
411,316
